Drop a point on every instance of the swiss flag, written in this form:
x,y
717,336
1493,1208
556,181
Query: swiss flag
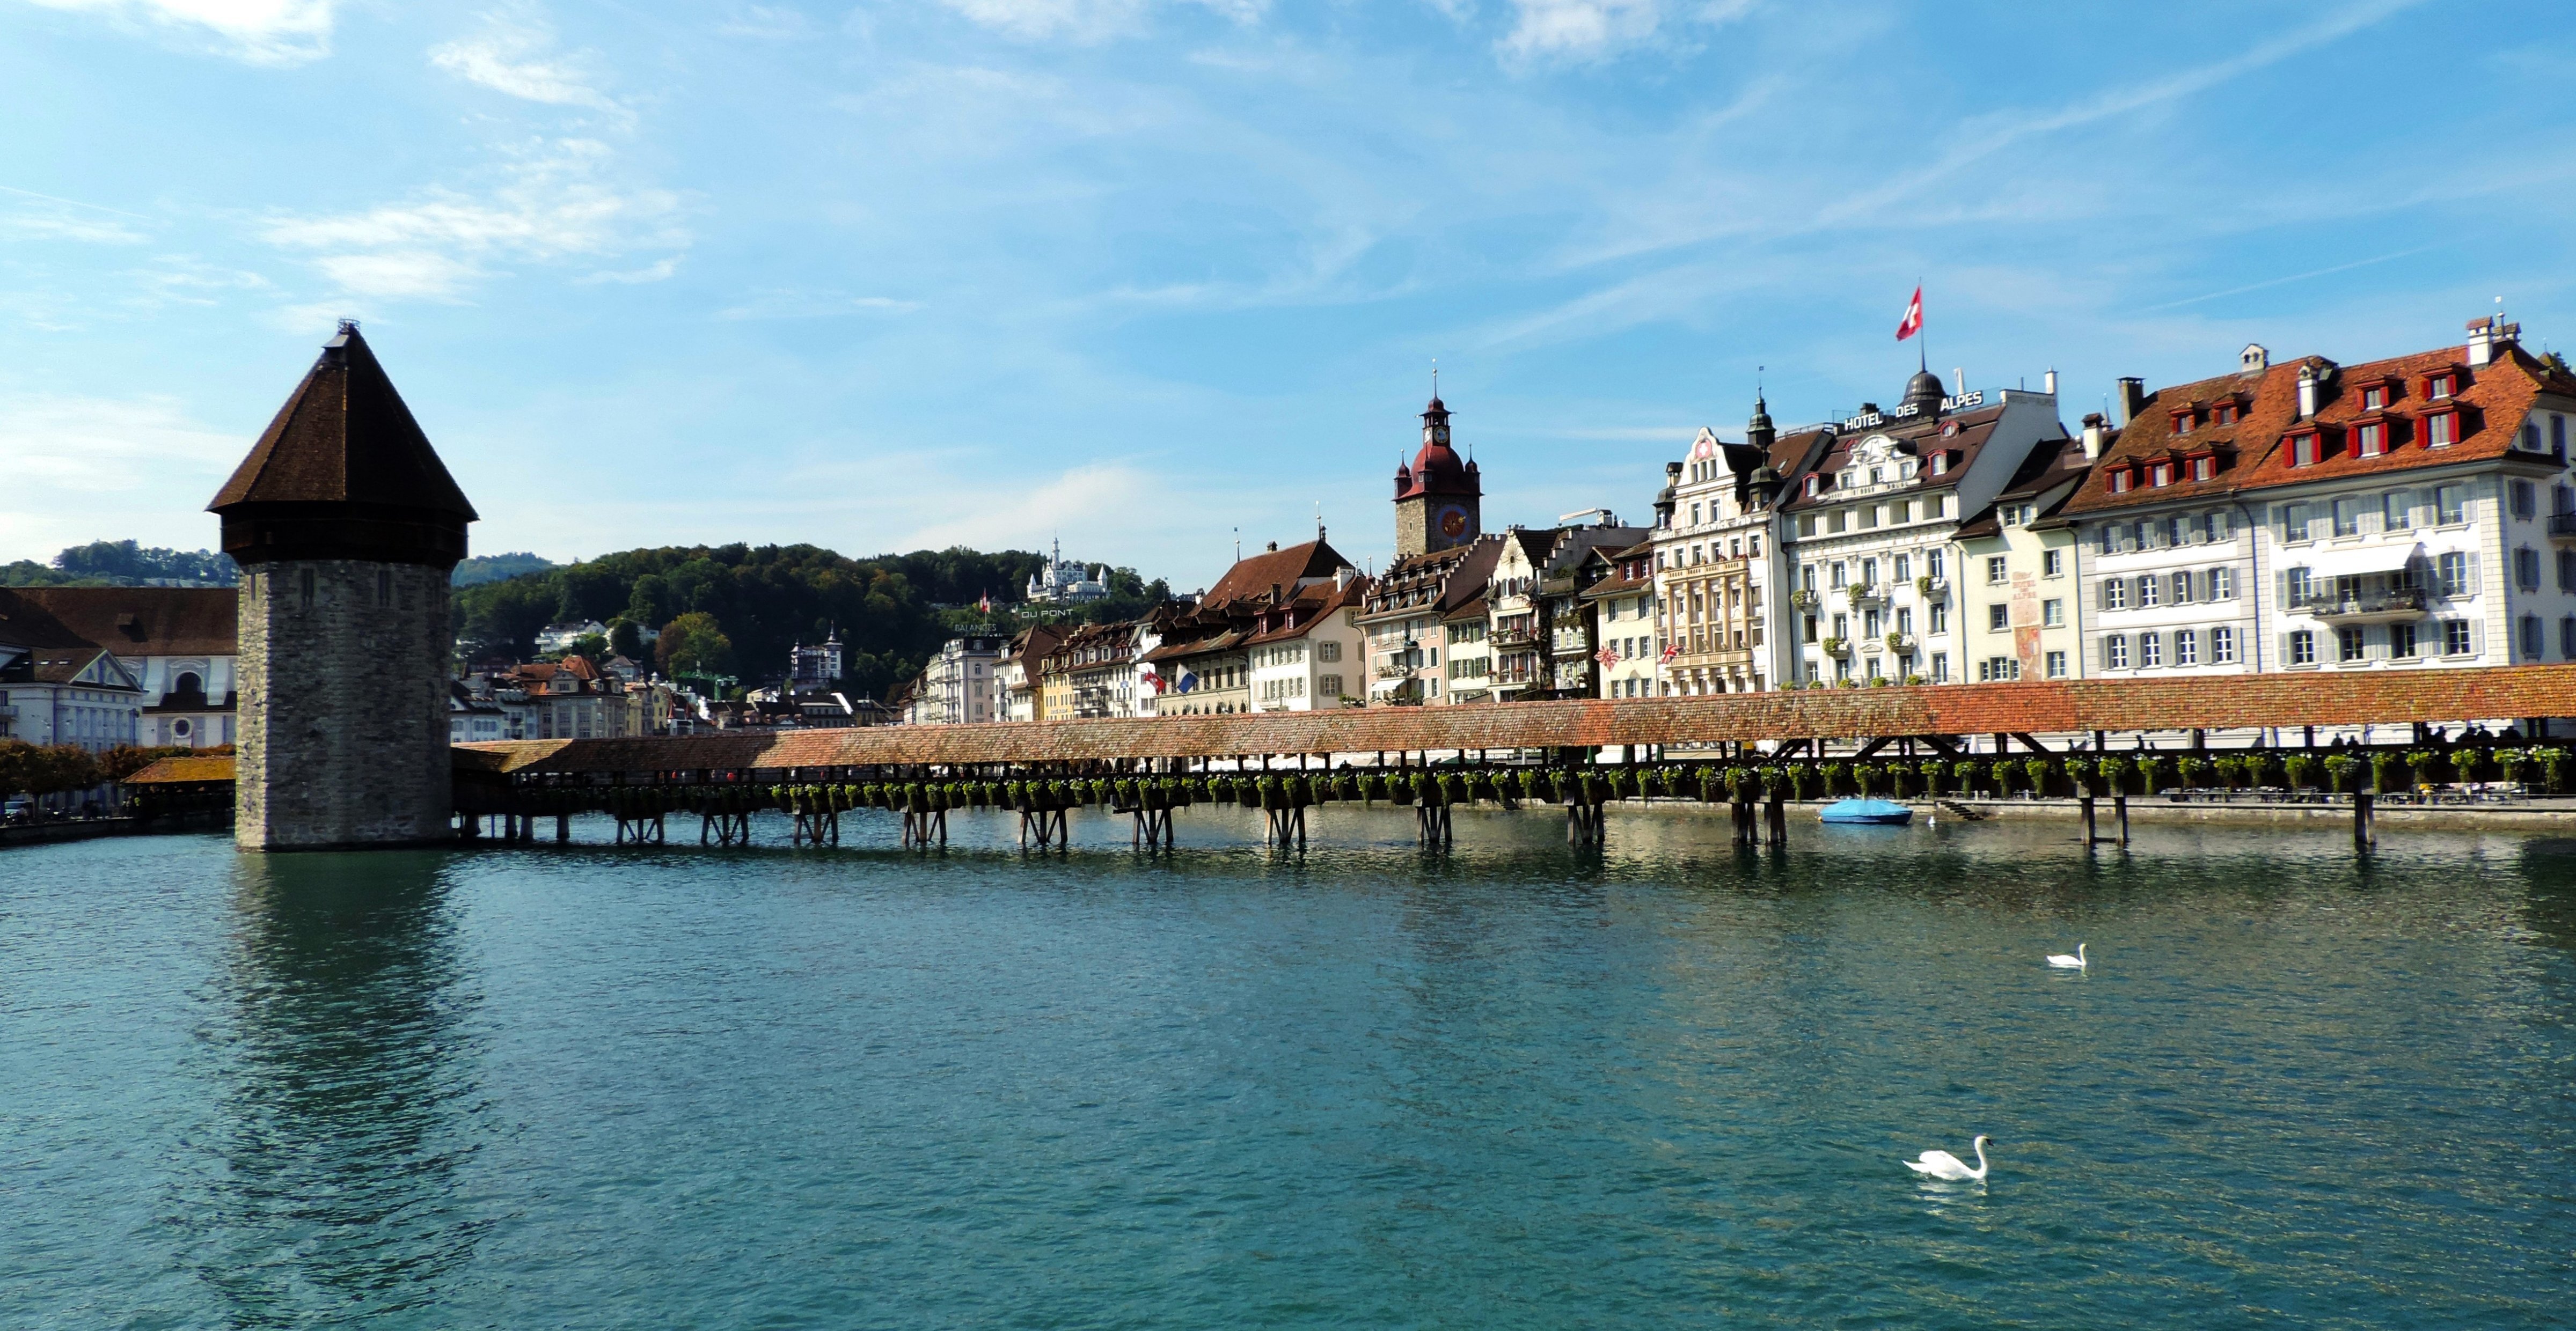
x,y
1913,321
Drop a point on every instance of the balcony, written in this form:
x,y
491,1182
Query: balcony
x,y
1866,594
2372,607
1398,668
1515,635
1837,646
1900,643
1803,599
2562,525
1931,588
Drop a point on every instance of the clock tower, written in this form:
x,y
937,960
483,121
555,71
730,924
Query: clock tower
x,y
1437,498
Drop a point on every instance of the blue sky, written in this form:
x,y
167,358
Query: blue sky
x,y
1143,272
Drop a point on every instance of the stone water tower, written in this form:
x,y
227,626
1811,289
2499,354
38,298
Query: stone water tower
x,y
346,526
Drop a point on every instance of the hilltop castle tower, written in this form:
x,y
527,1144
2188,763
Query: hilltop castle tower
x,y
1437,498
346,526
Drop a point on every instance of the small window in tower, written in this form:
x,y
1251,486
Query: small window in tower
x,y
384,589
308,589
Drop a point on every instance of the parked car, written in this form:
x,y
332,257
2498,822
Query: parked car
x,y
16,809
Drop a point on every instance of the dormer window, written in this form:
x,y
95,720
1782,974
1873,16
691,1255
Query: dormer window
x,y
2223,414
2303,449
2204,468
2442,429
2370,438
2119,480
1814,483
1875,476
2182,421
2160,475
2441,386
2374,398
1941,463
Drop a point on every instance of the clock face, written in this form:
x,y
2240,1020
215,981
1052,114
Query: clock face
x,y
1452,521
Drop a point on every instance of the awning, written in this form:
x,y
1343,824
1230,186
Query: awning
x,y
2355,561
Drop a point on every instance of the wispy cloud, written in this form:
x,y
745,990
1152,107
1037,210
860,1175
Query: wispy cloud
x,y
790,304
264,32
513,55
2294,277
1589,29
556,201
1082,20
65,452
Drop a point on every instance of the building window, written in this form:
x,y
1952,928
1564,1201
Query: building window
x,y
2294,522
1837,575
2303,450
2222,584
2526,500
2370,438
2151,650
2374,397
2182,422
1998,618
2182,588
2115,593
2567,570
384,589
2148,590
2438,386
2531,640
2450,504
2052,563
1938,614
2053,613
2567,638
2347,517
1995,569
1940,667
2222,646
2349,644
2455,637
2115,652
2160,475
2119,480
2401,641
2303,648
2442,429
2056,665
305,584
2204,468
2526,569
2452,569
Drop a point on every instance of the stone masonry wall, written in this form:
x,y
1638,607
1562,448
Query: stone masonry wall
x,y
343,729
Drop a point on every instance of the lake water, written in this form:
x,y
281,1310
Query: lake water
x,y
1658,1085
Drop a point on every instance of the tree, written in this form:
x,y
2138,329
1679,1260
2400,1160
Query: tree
x,y
694,644
625,638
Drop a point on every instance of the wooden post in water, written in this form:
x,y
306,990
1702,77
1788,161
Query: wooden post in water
x,y
2086,804
2365,821
2120,810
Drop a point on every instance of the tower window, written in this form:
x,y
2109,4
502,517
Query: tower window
x,y
307,589
384,588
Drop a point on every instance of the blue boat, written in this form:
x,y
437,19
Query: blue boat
x,y
1887,812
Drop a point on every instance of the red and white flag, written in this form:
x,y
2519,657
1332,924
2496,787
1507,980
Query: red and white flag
x,y
1912,323
1671,650
1607,656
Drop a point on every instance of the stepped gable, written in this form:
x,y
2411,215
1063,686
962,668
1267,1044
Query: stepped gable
x,y
344,472
137,621
2175,423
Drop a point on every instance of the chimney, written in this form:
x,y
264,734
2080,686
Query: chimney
x,y
2308,390
2133,399
2048,384
1342,577
2097,435
2487,335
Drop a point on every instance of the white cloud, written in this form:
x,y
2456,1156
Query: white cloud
x,y
555,202
768,22
1081,20
85,469
265,32
511,56
1091,507
1580,27
789,304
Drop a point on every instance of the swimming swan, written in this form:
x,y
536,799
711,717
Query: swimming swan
x,y
2065,962
1943,1165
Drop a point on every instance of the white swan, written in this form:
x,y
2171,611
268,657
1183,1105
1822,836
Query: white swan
x,y
1943,1165
2065,962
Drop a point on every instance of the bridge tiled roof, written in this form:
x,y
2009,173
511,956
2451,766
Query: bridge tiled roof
x,y
2379,697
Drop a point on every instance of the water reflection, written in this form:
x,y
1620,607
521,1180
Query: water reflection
x,y
347,1090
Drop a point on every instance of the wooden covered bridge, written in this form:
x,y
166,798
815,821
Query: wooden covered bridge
x,y
2083,739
